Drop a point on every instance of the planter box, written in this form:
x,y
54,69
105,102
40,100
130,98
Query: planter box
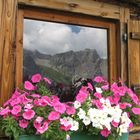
x,y
82,136
30,137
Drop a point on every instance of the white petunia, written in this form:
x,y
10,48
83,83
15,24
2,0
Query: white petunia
x,y
99,90
77,104
86,120
74,126
81,113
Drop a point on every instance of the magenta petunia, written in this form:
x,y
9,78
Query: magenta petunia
x,y
70,110
46,100
15,101
36,78
115,124
28,114
65,128
105,87
54,116
23,123
16,109
29,86
28,106
90,86
41,127
60,107
105,132
98,95
98,104
47,80
81,96
4,111
98,79
136,111
35,95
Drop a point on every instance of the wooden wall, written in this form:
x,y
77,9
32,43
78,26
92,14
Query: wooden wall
x,y
8,14
8,10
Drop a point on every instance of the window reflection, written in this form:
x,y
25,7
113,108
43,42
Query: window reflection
x,y
64,52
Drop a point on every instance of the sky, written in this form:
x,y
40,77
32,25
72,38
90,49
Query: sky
x,y
52,38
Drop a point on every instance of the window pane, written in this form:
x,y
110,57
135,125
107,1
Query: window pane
x,y
64,52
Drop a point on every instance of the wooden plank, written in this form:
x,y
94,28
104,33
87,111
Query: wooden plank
x,y
113,67
124,17
89,7
19,48
134,55
8,57
56,16
2,30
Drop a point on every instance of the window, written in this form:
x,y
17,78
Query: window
x,y
64,52
65,46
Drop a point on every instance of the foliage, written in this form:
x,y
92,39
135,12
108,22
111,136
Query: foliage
x,y
98,108
103,108
33,110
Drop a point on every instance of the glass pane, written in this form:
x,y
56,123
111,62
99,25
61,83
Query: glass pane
x,y
64,52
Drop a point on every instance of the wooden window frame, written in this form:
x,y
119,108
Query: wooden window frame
x,y
112,26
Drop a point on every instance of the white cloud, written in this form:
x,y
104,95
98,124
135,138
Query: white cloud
x,y
52,38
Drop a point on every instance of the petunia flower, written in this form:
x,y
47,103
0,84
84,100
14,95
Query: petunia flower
x,y
28,114
54,116
36,78
23,123
29,86
16,109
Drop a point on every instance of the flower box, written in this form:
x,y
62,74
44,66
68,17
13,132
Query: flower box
x,y
83,136
30,137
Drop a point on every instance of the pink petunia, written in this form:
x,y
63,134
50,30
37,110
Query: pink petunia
x,y
54,116
47,80
136,111
4,111
98,79
135,98
23,123
25,100
65,128
28,106
98,104
36,78
47,100
28,114
105,132
15,101
124,105
115,124
70,110
81,96
29,86
98,95
105,87
35,95
122,90
41,128
55,100
60,107
90,86
16,94
16,109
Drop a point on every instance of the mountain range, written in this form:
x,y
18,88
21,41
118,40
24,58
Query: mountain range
x,y
64,67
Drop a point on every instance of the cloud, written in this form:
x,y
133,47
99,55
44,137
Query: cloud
x,y
52,38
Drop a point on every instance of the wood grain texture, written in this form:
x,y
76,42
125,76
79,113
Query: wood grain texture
x,y
19,48
134,55
124,17
89,7
7,48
